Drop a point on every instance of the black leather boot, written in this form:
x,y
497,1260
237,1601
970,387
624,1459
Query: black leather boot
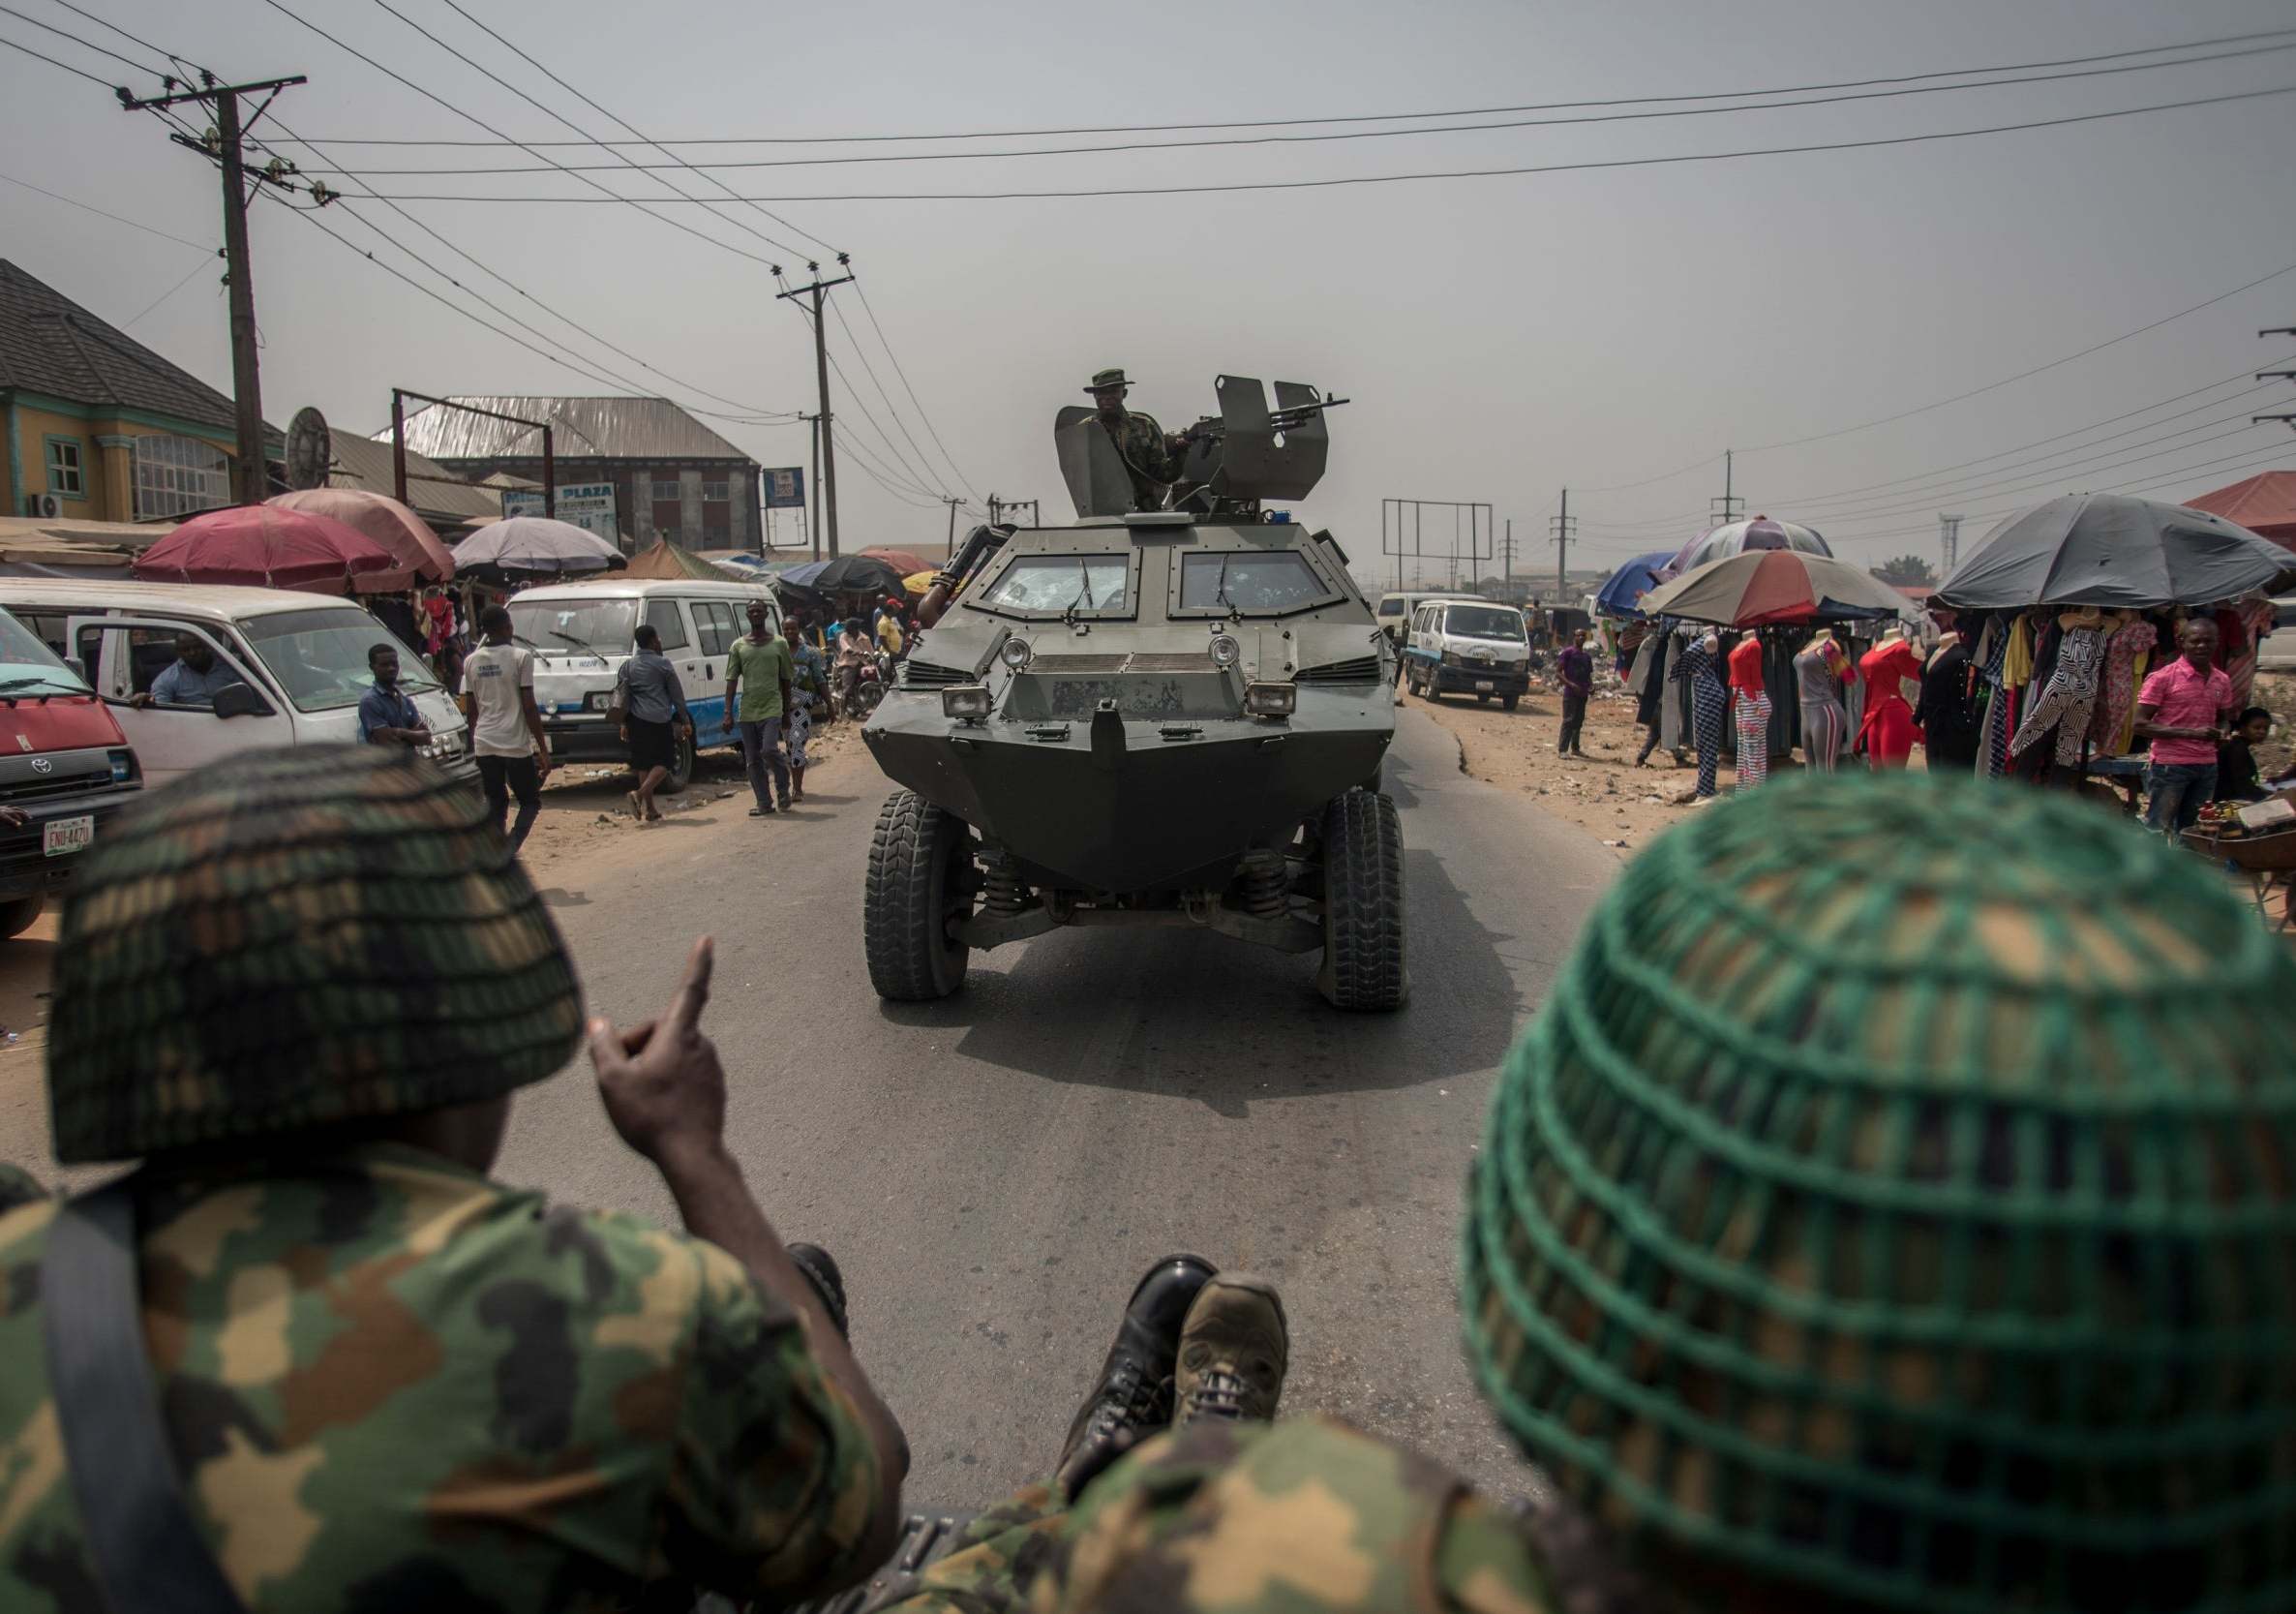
x,y
1134,1392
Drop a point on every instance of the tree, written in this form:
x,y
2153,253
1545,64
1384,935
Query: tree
x,y
1906,571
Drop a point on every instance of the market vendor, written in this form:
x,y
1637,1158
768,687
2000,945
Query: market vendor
x,y
2237,777
2183,710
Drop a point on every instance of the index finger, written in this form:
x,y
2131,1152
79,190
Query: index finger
x,y
693,991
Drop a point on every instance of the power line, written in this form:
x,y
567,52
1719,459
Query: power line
x,y
1365,117
1990,386
1662,476
90,45
557,117
868,308
605,194
622,122
1337,135
1416,177
164,296
132,224
921,466
172,56
52,62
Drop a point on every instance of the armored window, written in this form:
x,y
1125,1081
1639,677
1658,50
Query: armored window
x,y
1055,585
1250,581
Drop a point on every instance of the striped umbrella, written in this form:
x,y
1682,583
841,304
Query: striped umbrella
x,y
1739,537
1773,586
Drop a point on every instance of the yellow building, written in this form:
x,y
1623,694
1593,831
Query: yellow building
x,y
96,423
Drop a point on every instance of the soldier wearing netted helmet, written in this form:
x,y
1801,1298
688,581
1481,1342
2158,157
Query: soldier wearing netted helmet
x,y
309,1356
1892,1208
1150,457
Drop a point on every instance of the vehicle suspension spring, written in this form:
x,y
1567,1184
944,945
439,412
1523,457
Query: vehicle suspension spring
x,y
1261,879
1001,887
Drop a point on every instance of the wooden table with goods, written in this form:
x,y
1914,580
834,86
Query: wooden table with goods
x,y
2263,854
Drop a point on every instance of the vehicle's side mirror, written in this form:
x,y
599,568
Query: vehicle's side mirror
x,y
240,700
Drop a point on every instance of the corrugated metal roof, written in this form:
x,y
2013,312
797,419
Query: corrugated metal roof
x,y
584,428
431,489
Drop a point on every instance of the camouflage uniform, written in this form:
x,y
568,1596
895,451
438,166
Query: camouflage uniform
x,y
386,1381
1153,463
1224,1518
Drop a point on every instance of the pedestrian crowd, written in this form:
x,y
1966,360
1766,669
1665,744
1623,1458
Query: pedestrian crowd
x,y
2080,699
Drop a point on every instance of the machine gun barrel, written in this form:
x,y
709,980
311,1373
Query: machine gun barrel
x,y
1282,420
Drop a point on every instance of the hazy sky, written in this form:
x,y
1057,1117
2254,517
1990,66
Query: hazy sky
x,y
1501,337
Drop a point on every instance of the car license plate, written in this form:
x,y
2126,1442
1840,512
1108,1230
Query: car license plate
x,y
1484,684
60,835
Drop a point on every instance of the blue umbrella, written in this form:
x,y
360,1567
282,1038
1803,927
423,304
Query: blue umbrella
x,y
803,576
1624,588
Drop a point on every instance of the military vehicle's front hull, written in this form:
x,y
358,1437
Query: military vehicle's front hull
x,y
1108,803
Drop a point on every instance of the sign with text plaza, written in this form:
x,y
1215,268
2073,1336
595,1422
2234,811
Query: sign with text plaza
x,y
589,505
785,490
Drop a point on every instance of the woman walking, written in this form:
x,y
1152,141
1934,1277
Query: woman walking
x,y
1750,700
1695,668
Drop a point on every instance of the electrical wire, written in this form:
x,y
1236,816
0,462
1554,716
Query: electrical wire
x,y
1341,135
133,224
909,474
922,463
164,296
88,44
1662,476
1364,117
52,62
1340,180
643,205
869,309
180,62
623,123
557,117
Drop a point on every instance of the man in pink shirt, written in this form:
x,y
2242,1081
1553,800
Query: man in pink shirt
x,y
2183,710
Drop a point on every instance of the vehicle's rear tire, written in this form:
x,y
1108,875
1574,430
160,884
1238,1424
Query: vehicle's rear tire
x,y
682,762
1509,701
16,917
915,888
1363,904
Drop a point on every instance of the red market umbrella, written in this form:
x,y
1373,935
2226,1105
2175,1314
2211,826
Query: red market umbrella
x,y
903,560
1760,586
421,556
266,547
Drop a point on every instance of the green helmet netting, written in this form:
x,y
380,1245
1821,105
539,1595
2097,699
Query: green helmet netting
x,y
1895,1196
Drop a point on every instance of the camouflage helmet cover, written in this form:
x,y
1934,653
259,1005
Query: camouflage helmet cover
x,y
293,937
1897,1197
1103,380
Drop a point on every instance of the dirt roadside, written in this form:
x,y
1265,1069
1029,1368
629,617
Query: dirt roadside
x,y
585,827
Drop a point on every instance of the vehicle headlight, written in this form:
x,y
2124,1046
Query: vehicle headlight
x,y
597,700
1271,700
1452,658
966,702
1226,650
1017,653
123,766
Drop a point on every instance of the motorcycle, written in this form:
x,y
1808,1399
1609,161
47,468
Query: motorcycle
x,y
874,678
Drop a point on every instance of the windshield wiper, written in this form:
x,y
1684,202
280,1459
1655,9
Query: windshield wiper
x,y
1084,579
61,688
1219,595
581,644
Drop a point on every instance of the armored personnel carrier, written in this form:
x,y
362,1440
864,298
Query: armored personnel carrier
x,y
1171,715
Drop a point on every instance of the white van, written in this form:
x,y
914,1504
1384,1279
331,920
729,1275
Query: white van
x,y
302,657
581,633
1396,610
1469,647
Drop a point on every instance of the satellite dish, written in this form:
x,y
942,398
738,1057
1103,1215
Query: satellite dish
x,y
309,450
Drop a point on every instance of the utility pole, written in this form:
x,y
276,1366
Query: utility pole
x,y
2286,419
813,523
952,503
1725,511
995,505
228,149
1508,550
1948,541
1565,525
823,422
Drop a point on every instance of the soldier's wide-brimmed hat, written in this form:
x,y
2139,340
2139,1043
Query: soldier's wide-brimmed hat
x,y
1897,1197
1103,380
289,938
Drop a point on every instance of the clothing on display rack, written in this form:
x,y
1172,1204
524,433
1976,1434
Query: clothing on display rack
x,y
1887,735
1750,706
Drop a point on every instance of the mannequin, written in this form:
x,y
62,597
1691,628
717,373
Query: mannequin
x,y
1888,733
1749,699
2069,697
1696,668
1821,668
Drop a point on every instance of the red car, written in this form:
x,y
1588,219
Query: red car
x,y
65,771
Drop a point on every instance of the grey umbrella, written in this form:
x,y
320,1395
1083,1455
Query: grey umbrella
x,y
537,544
2110,549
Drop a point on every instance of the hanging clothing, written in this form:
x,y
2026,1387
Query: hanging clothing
x,y
1694,668
2253,622
1949,714
1888,734
1820,670
1779,682
1749,700
2066,700
2113,719
2017,671
2000,706
1677,716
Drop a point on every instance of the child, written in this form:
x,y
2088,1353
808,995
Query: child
x,y
2236,758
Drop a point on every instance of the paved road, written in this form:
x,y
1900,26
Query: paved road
x,y
993,1171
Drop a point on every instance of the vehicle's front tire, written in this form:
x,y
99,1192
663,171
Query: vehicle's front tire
x,y
1509,701
16,917
1363,904
916,886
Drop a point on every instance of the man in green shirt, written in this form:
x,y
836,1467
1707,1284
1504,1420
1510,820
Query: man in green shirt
x,y
759,667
